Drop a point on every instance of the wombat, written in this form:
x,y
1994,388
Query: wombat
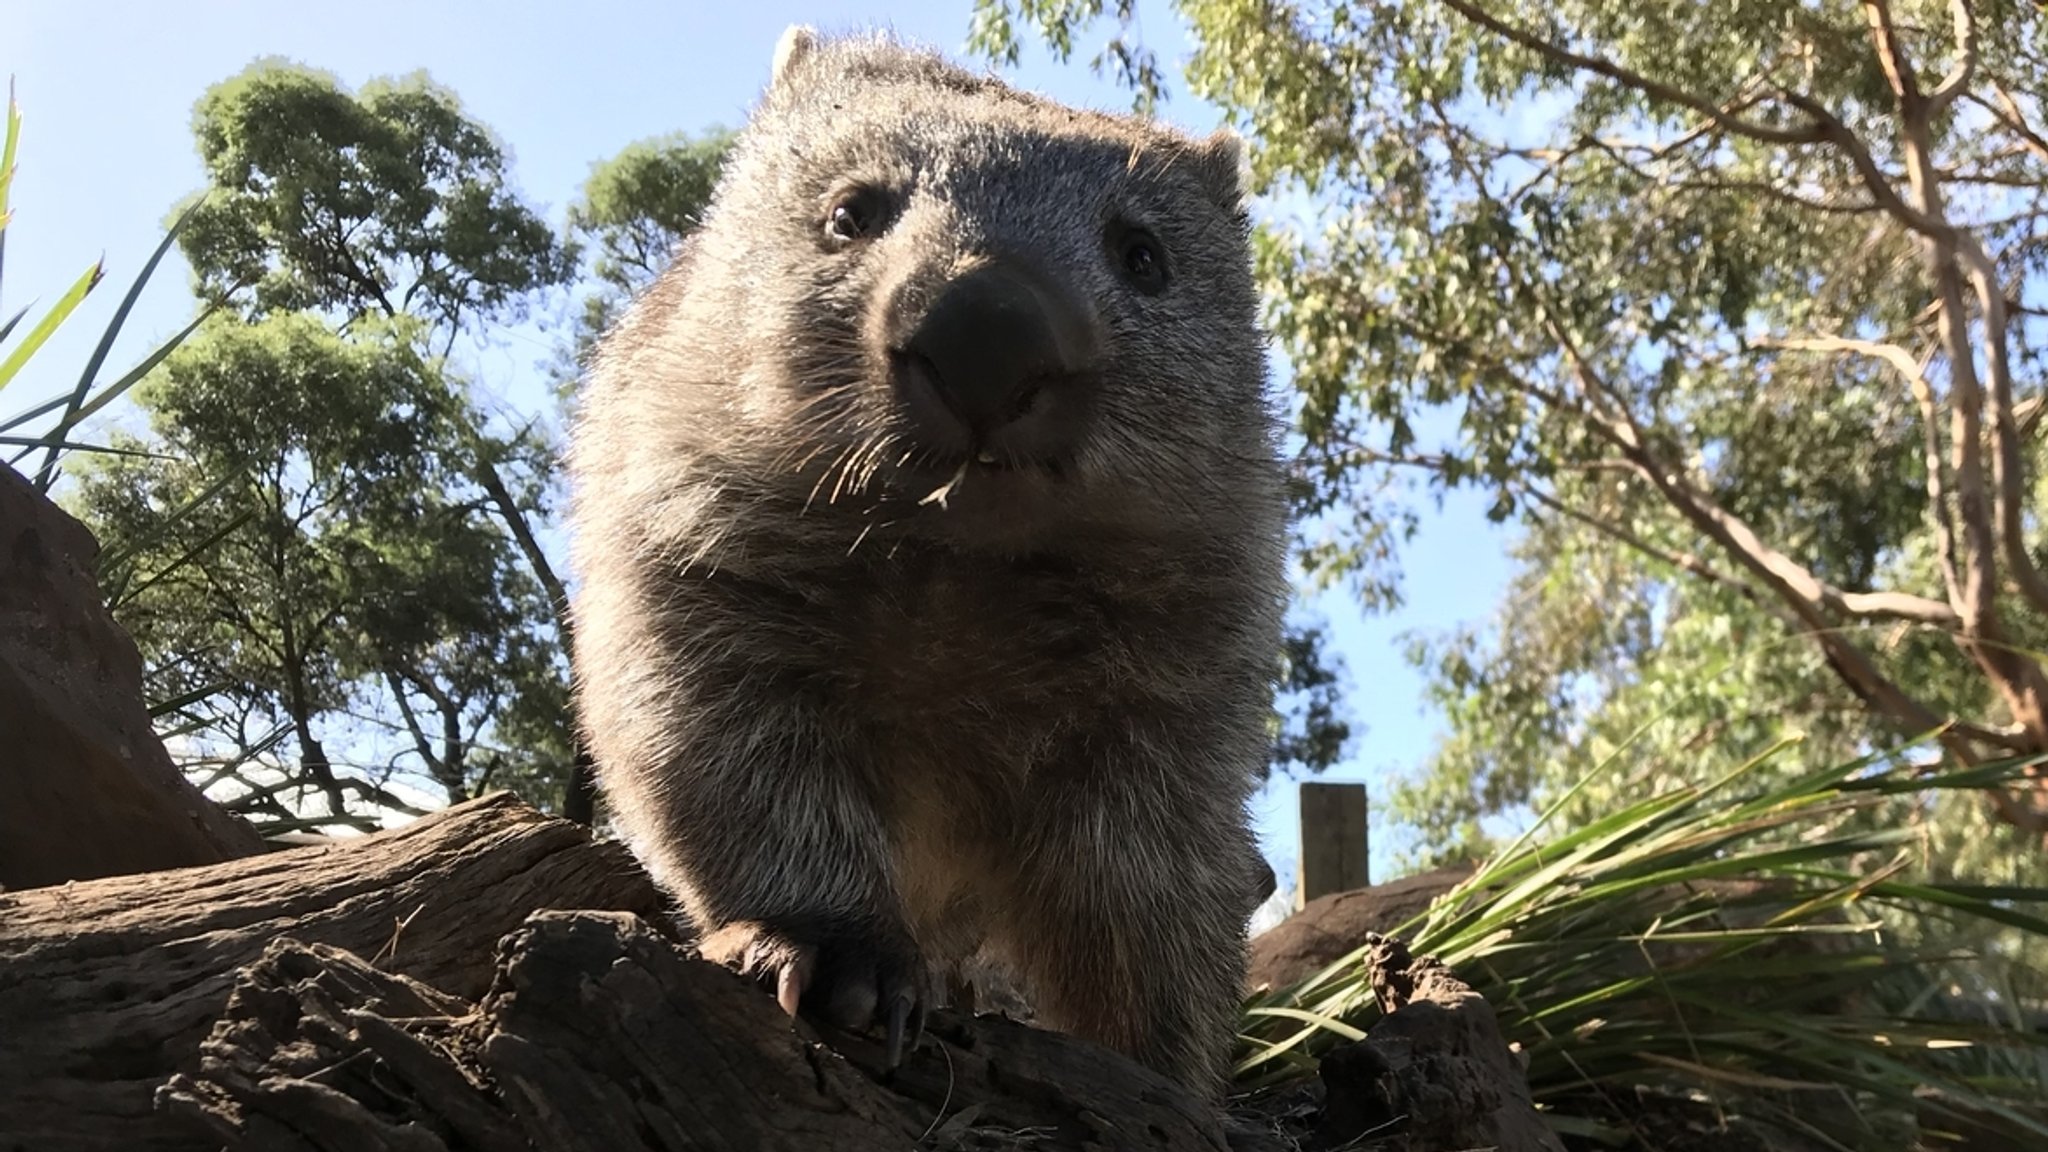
x,y
929,528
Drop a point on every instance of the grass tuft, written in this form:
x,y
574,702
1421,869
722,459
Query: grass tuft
x,y
1755,946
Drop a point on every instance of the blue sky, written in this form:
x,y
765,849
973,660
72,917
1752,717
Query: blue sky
x,y
107,89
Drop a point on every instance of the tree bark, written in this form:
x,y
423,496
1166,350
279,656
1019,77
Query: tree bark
x,y
108,987
412,990
601,1036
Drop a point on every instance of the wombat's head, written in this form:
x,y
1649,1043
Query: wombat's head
x,y
937,283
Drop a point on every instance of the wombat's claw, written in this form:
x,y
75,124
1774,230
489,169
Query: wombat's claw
x,y
849,983
759,953
900,1010
791,979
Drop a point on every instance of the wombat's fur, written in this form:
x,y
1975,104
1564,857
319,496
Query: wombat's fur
x,y
861,729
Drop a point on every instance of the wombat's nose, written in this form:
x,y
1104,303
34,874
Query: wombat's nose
x,y
994,340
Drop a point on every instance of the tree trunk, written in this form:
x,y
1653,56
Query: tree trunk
x,y
579,795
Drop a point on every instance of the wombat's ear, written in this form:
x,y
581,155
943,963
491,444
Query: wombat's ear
x,y
1226,170
797,43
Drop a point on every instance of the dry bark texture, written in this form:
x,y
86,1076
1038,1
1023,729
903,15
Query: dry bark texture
x,y
601,1036
86,789
1329,927
416,991
1434,1073
108,986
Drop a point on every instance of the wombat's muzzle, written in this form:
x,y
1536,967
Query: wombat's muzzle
x,y
997,366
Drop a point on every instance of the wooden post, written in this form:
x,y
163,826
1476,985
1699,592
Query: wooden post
x,y
1333,841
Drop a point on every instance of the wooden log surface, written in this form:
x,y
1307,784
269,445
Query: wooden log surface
x,y
602,1036
491,979
108,986
414,990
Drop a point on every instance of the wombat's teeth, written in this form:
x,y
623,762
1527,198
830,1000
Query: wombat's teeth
x,y
985,457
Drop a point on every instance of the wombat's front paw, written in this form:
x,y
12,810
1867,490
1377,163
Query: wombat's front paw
x,y
849,979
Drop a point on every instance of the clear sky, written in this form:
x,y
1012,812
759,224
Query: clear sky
x,y
107,88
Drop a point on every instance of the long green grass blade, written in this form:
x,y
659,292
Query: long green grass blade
x,y
161,708
130,591
119,554
72,415
50,322
8,146
20,418
143,368
34,442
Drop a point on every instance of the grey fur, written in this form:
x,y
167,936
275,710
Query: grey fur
x,y
858,735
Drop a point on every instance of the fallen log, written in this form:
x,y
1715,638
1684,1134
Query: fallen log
x,y
601,1036
413,990
492,979
108,986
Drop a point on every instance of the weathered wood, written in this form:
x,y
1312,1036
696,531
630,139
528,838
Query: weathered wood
x,y
415,992
86,789
108,986
1333,841
600,1036
1433,1073
1334,926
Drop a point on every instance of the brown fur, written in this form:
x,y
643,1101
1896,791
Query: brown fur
x,y
859,735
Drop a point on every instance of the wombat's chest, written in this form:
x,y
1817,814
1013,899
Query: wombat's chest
x,y
1001,648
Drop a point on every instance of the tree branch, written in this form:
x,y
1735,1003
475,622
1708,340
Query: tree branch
x,y
2008,112
412,723
1858,154
1898,71
1965,67
2008,465
1806,595
1941,244
1685,561
1811,133
2019,679
579,802
1759,187
1915,372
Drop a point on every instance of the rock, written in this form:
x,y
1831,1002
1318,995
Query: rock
x,y
86,788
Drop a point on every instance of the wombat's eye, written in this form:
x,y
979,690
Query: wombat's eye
x,y
1140,258
857,215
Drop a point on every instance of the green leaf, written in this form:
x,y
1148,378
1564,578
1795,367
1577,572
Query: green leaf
x,y
50,322
46,475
